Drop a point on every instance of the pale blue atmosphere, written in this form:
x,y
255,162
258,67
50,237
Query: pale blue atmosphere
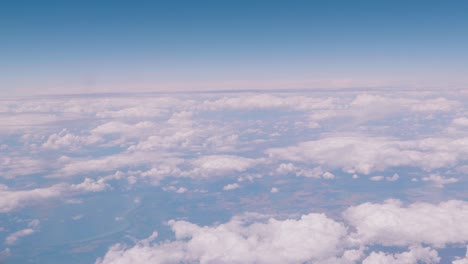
x,y
116,46
213,132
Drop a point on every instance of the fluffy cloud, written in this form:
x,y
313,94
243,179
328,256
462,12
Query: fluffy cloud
x,y
12,166
392,178
367,107
313,238
231,186
116,127
13,199
267,101
175,189
214,165
150,138
69,141
288,168
393,224
328,175
415,255
368,154
77,166
377,178
438,180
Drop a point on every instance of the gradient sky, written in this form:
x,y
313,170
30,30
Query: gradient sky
x,y
121,46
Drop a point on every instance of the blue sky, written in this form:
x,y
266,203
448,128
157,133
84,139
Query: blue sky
x,y
115,46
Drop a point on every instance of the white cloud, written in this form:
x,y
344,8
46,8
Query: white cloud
x,y
16,121
69,141
286,168
438,180
13,238
366,154
138,111
10,199
12,166
377,178
175,189
130,130
461,121
89,185
231,186
392,224
313,237
267,101
214,165
13,199
155,137
182,190
80,166
394,177
366,107
328,175
77,217
415,255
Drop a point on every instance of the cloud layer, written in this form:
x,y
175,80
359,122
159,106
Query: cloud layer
x,y
312,238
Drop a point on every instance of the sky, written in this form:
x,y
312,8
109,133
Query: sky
x,y
325,132
62,47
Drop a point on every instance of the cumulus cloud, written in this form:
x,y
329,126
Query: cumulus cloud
x,y
393,224
288,168
70,141
12,166
175,189
415,255
369,154
328,175
151,138
394,177
231,186
214,165
127,130
80,166
377,178
268,101
438,180
89,185
14,199
313,238
367,107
